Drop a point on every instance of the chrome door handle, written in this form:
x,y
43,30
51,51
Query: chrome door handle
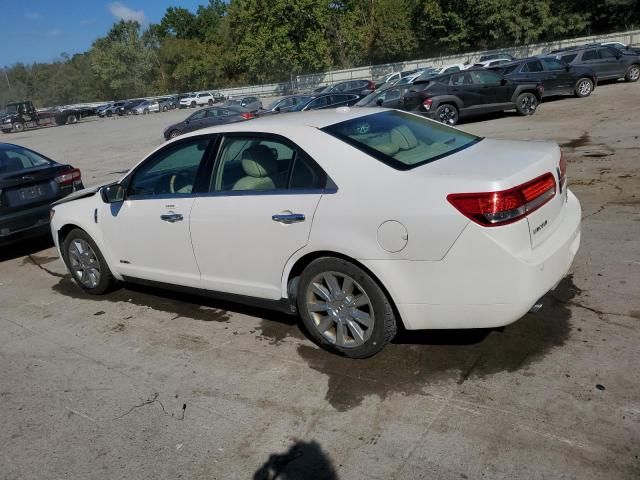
x,y
288,218
171,217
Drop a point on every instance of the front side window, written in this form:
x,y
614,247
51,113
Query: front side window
x,y
170,171
401,140
484,77
553,64
252,164
198,115
569,58
462,78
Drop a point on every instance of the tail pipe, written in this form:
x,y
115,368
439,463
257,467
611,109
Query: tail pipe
x,y
536,307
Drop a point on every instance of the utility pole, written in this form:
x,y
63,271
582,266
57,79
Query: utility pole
x,y
7,78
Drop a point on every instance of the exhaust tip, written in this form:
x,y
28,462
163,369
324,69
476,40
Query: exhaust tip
x,y
536,307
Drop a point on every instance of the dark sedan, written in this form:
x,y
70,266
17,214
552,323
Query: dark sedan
x,y
557,77
327,100
284,104
207,117
359,87
29,183
128,107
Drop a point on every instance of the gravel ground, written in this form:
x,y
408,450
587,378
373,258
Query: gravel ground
x,y
146,383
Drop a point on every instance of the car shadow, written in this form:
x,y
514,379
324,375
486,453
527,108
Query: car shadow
x,y
303,460
25,247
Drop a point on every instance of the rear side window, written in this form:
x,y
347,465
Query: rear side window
x,y
401,140
569,58
590,55
18,159
533,66
510,69
606,53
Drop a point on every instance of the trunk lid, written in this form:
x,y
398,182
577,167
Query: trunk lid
x,y
32,187
497,165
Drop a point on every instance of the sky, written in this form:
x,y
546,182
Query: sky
x,y
40,30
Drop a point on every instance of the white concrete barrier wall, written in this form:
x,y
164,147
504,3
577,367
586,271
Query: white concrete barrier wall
x,y
311,81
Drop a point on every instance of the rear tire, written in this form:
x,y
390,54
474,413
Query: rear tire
x,y
86,263
633,73
164,109
447,114
526,103
584,87
71,119
146,111
343,309
109,113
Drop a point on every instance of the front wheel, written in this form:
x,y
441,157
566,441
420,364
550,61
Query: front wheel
x,y
174,133
210,102
633,73
164,109
526,103
193,104
584,87
18,127
109,113
344,309
447,114
146,111
71,119
86,263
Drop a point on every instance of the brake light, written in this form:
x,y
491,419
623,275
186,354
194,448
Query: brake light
x,y
427,104
562,169
491,209
69,178
247,115
371,86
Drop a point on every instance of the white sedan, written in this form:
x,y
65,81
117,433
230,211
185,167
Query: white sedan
x,y
360,220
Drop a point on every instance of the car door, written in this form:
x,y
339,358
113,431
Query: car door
x,y
532,71
195,121
263,196
147,233
611,63
564,77
462,86
392,97
591,58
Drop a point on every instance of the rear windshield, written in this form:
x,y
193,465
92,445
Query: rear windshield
x,y
15,159
401,140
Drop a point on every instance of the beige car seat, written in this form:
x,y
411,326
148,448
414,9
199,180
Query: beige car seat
x,y
259,164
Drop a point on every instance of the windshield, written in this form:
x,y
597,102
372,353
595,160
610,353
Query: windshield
x,y
401,140
12,108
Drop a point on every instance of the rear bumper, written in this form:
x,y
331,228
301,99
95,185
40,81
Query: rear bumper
x,y
479,284
24,224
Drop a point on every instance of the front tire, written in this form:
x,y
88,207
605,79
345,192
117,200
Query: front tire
x,y
193,104
526,103
174,133
633,73
344,309
18,127
447,114
583,88
86,263
71,119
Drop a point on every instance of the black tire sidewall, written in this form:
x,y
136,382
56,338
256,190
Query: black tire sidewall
x,y
106,278
384,322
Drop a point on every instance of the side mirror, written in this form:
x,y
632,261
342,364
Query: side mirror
x,y
503,82
568,68
277,109
112,193
380,101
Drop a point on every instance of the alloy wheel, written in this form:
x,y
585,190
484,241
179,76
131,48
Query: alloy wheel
x,y
634,73
584,87
84,263
448,115
528,103
340,309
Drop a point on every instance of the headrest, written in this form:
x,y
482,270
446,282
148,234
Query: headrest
x,y
259,161
403,137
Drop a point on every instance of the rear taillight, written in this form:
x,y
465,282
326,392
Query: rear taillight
x,y
371,86
427,104
69,178
491,209
562,169
247,115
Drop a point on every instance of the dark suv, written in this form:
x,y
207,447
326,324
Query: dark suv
x,y
607,62
447,98
557,77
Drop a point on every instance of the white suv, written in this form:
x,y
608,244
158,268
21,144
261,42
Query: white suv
x,y
198,98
